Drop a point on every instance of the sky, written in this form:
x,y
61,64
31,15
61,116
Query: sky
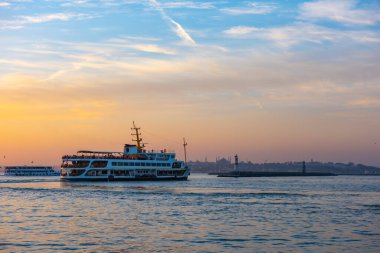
x,y
271,81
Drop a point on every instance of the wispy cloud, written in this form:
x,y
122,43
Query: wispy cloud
x,y
27,64
4,4
251,8
52,17
291,35
305,31
149,48
177,28
238,31
22,21
366,102
116,54
143,47
78,3
115,46
189,5
295,81
340,11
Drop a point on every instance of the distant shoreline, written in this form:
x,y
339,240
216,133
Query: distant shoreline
x,y
225,166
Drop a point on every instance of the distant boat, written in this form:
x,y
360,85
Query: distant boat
x,y
135,163
30,171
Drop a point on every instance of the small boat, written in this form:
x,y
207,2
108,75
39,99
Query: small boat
x,y
134,163
30,171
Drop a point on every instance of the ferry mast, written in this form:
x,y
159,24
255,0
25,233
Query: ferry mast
x,y
138,138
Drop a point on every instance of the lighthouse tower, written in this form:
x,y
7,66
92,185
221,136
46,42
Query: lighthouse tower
x,y
236,169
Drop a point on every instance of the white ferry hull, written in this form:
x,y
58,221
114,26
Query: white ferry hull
x,y
122,178
136,177
124,174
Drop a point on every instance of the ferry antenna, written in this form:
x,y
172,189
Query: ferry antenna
x,y
184,149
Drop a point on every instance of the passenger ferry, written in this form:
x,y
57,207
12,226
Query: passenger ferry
x,y
134,163
30,171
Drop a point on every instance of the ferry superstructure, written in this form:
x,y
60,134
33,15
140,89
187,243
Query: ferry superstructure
x,y
134,163
30,171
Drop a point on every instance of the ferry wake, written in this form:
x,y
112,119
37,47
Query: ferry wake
x,y
134,163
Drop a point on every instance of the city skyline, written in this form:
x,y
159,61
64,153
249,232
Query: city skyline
x,y
270,81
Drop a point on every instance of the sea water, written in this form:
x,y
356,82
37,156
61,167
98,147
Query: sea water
x,y
203,214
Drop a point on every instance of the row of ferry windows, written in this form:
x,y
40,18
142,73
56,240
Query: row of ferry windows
x,y
140,164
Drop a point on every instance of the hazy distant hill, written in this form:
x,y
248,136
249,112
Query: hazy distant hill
x,y
223,165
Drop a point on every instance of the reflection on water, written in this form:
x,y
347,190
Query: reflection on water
x,y
205,214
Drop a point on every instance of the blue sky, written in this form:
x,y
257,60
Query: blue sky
x,y
299,77
214,23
